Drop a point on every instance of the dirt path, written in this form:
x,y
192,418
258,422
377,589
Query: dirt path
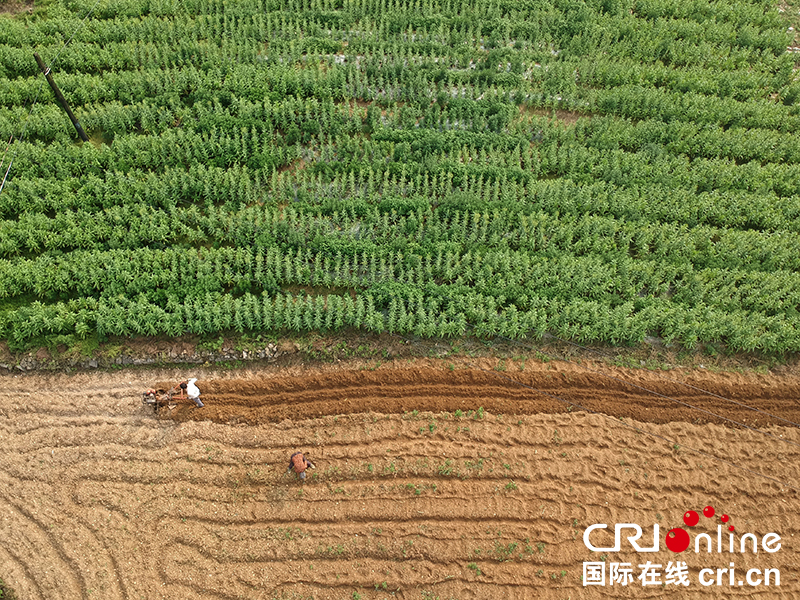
x,y
101,499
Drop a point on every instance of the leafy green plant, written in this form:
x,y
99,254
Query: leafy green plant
x,y
505,552
319,198
446,469
6,593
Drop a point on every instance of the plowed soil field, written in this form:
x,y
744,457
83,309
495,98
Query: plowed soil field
x,y
466,480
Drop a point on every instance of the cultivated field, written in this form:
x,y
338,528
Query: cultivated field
x,y
622,172
604,172
417,493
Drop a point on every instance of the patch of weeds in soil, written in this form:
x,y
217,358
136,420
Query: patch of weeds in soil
x,y
288,533
430,429
210,344
338,550
254,475
111,351
478,465
505,552
474,567
556,437
421,464
417,489
252,342
411,415
82,347
6,593
230,365
478,415
528,549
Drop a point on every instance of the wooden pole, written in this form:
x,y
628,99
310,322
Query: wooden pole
x,y
60,97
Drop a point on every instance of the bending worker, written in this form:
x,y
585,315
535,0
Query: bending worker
x,y
299,463
193,392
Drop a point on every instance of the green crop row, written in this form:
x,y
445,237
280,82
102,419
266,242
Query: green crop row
x,y
583,320
604,171
517,276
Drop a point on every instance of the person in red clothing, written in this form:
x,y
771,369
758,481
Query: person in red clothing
x,y
299,463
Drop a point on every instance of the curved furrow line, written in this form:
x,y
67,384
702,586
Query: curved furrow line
x,y
249,511
241,480
477,440
466,381
488,510
12,562
427,389
62,522
331,575
124,462
79,434
330,550
203,510
305,530
126,470
33,543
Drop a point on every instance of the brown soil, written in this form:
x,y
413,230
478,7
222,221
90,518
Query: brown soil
x,y
100,498
15,7
296,165
553,388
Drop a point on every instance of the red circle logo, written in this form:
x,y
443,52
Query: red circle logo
x,y
708,511
677,540
691,518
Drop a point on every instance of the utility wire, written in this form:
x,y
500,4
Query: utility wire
x,y
11,139
38,91
3,183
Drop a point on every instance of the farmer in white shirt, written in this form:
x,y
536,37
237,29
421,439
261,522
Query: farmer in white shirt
x,y
193,392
